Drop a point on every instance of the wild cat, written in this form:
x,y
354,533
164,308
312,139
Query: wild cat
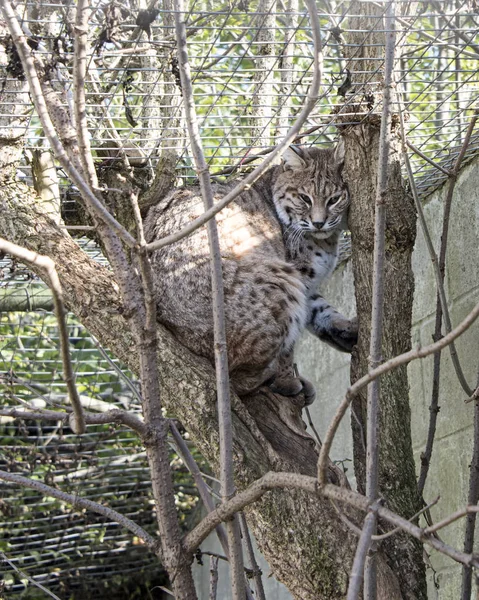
x,y
279,242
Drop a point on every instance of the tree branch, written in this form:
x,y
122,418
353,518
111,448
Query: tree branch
x,y
357,572
252,559
219,325
83,12
47,266
78,502
116,416
205,495
40,105
372,452
30,579
472,499
275,480
392,363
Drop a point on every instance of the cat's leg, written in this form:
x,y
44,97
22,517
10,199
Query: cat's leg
x,y
266,308
288,383
331,326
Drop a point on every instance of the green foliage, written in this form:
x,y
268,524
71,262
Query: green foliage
x,y
107,464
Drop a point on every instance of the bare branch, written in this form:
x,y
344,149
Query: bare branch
x,y
441,307
357,571
360,502
274,480
473,498
27,576
252,558
390,364
451,518
219,322
116,416
425,156
144,327
78,502
372,453
213,577
192,466
47,266
384,536
83,12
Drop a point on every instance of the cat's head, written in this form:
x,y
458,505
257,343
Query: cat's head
x,y
309,193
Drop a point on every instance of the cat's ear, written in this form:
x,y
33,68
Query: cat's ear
x,y
339,153
293,158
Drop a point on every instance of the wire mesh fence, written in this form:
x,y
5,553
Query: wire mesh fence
x,y
251,64
70,551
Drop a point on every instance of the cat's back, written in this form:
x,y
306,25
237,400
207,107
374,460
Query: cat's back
x,y
246,227
249,235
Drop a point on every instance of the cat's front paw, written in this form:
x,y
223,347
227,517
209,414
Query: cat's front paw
x,y
338,331
345,337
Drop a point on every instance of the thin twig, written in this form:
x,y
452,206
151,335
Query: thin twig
x,y
425,156
115,416
313,428
444,240
424,227
252,558
385,536
442,310
47,266
459,514
375,356
24,575
357,572
78,502
472,499
192,466
213,578
118,370
219,322
199,553
392,363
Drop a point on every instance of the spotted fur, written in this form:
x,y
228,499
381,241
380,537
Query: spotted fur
x,y
279,241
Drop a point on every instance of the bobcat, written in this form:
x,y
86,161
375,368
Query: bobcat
x,y
279,241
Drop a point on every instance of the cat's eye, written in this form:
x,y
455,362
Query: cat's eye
x,y
334,199
306,199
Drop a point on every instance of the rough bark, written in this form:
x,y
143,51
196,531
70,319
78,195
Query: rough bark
x,y
397,481
308,547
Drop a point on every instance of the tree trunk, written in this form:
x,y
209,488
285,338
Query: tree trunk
x,y
308,546
397,480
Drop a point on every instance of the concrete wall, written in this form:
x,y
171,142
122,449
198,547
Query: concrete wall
x,y
329,371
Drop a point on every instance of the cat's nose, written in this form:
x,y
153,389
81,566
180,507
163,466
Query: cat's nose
x,y
318,224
